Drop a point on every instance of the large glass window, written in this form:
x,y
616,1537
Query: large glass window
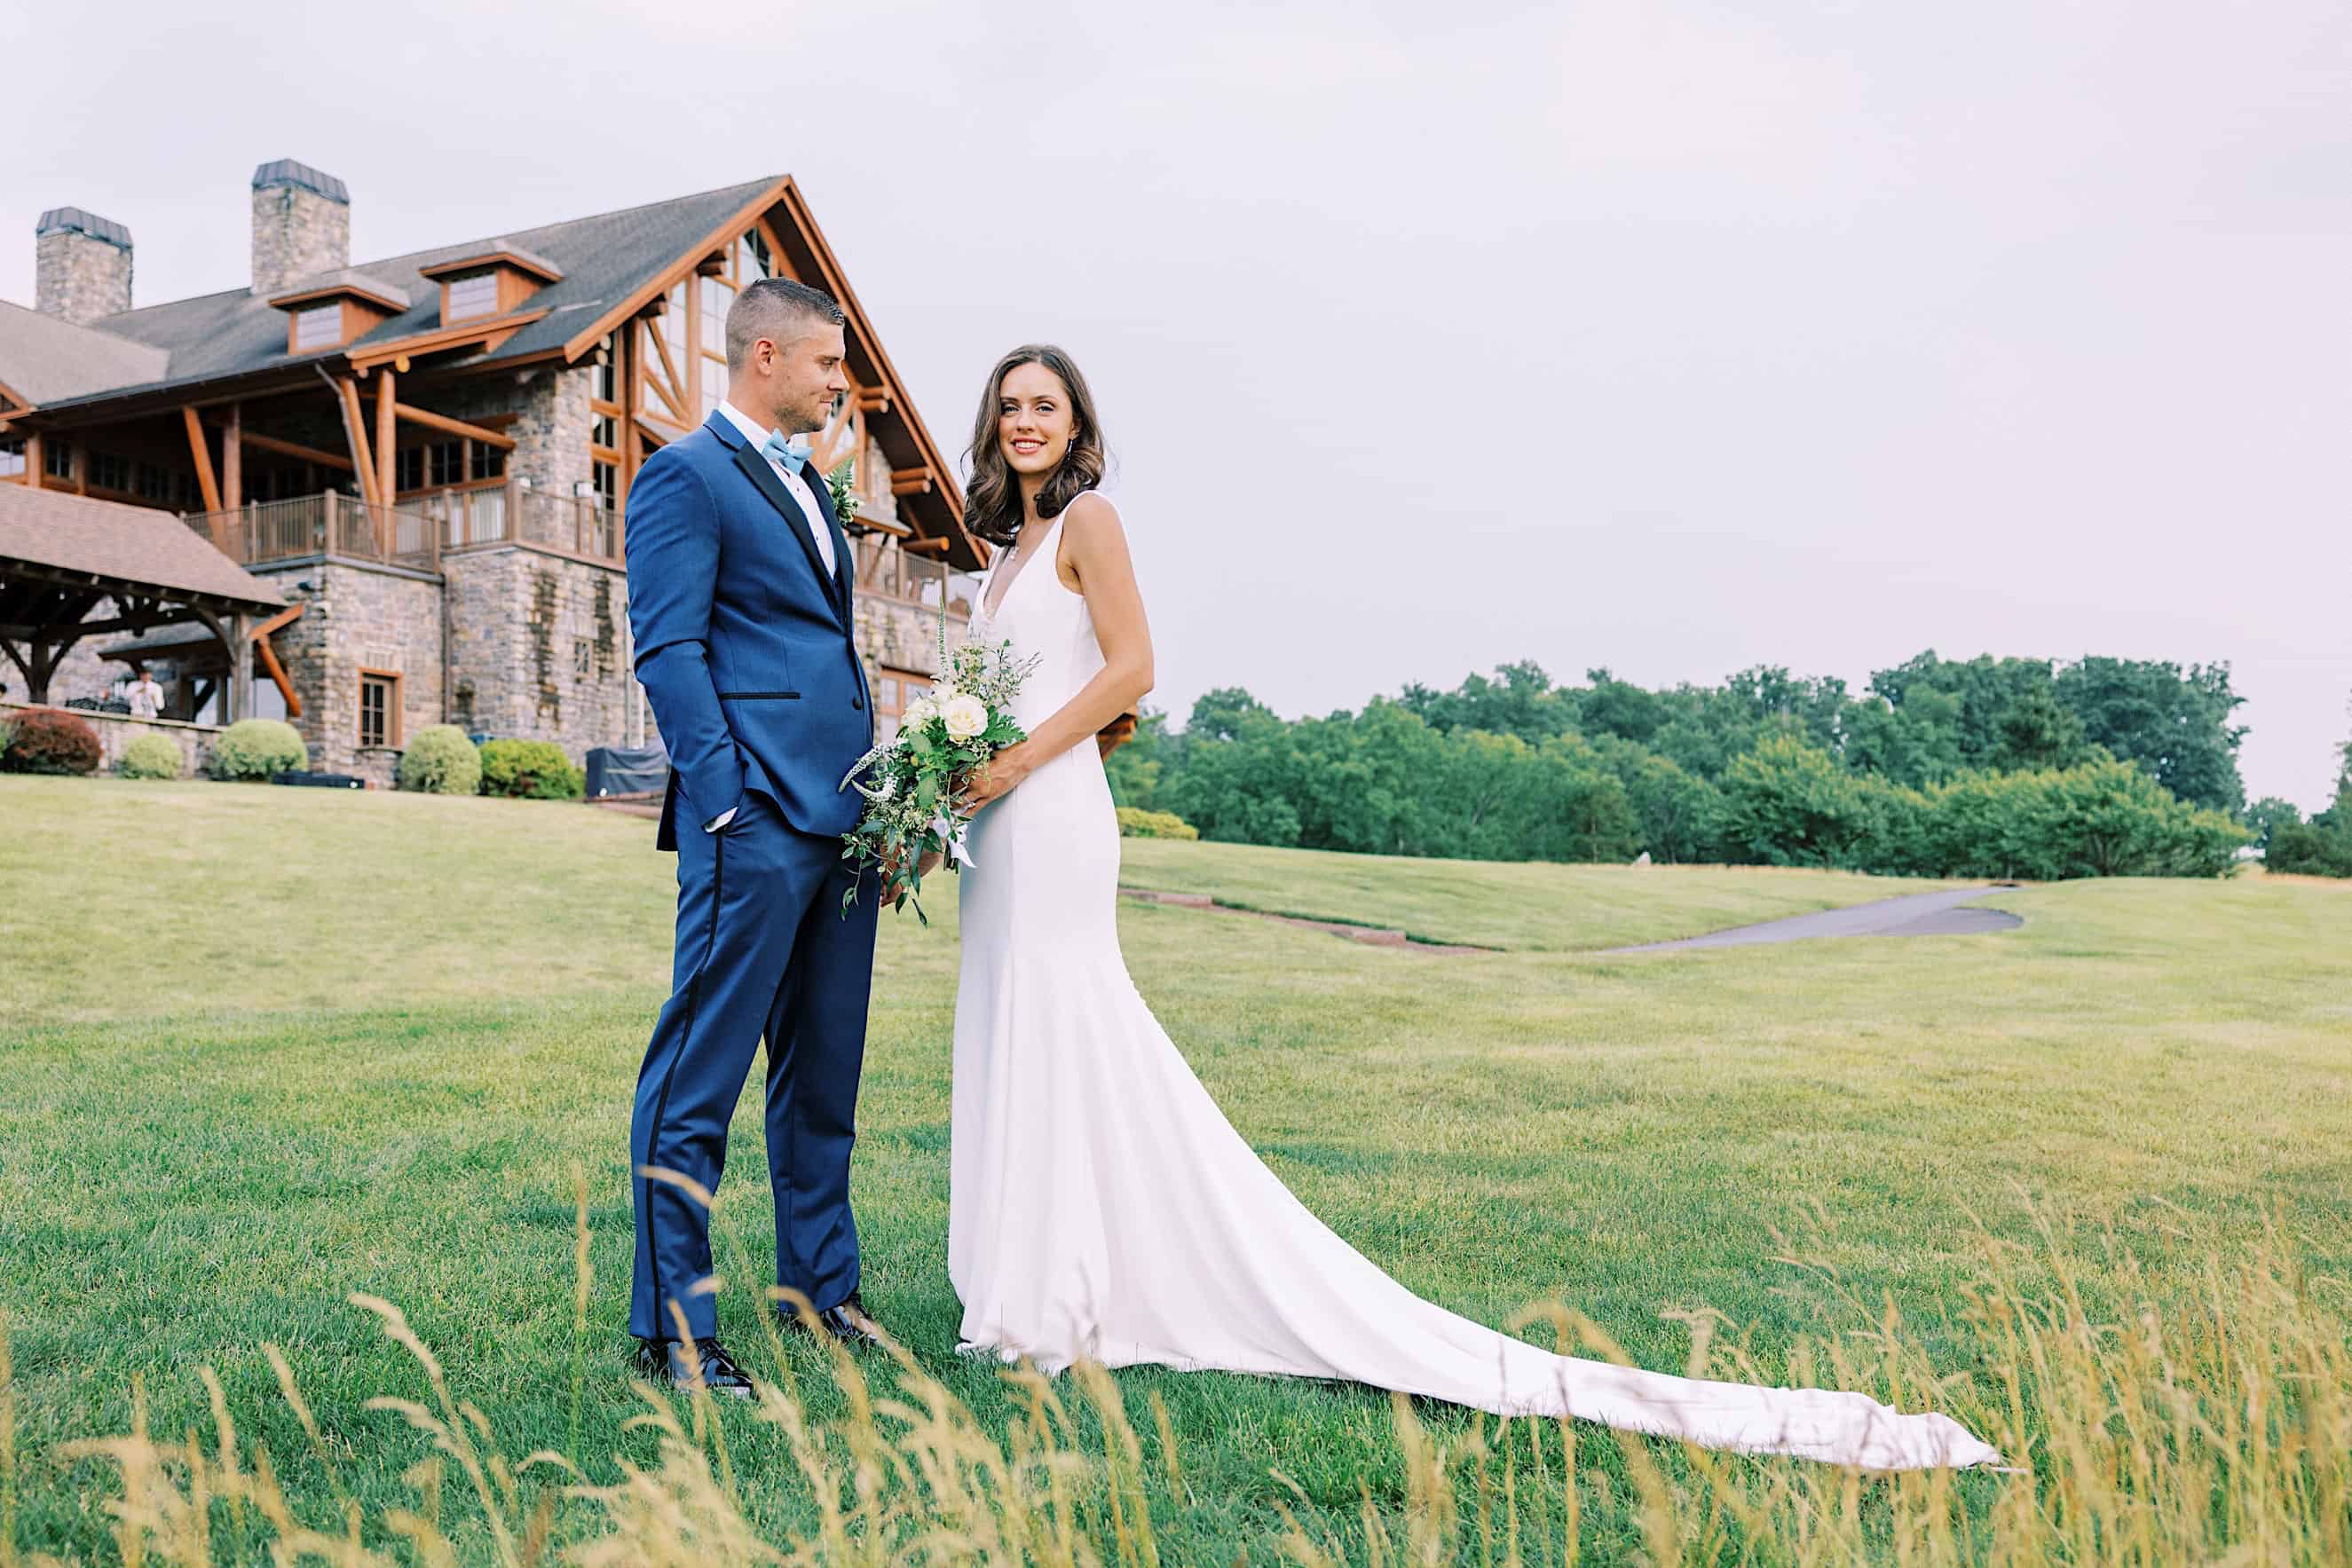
x,y
408,469
57,459
320,327
108,472
447,461
489,463
473,294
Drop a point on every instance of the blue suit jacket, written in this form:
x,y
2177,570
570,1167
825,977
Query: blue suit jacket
x,y
745,646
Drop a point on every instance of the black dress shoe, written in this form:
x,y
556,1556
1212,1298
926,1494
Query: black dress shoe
x,y
846,1319
668,1363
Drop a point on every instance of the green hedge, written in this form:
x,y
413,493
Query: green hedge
x,y
1135,823
530,769
440,760
2322,847
258,749
1786,803
150,756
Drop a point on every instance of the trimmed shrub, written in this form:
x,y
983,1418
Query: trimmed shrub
x,y
150,756
2318,848
1135,823
530,770
51,740
440,760
256,749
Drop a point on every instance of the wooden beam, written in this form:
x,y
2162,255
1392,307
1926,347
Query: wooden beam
x,y
675,394
935,542
355,432
442,422
736,223
910,481
386,481
392,352
36,463
777,255
233,459
201,449
323,458
260,635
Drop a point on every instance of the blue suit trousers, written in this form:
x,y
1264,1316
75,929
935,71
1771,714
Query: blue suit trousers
x,y
763,950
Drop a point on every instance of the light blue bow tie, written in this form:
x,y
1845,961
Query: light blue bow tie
x,y
794,454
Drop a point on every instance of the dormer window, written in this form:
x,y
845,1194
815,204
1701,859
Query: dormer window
x,y
490,281
472,293
320,327
332,309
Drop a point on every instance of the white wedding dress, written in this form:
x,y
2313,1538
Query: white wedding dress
x,y
1101,1205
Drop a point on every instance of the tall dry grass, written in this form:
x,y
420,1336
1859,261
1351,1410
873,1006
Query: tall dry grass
x,y
2204,1415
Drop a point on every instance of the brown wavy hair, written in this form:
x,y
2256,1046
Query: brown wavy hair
x,y
991,501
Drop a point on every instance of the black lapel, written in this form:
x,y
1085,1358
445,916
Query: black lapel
x,y
755,466
843,580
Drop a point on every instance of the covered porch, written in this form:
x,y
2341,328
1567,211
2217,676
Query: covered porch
x,y
73,568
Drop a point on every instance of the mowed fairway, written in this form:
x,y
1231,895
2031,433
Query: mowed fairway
x,y
261,1048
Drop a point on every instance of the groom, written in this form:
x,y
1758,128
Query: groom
x,y
740,602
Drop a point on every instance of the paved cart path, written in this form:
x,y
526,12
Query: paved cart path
x,y
1912,914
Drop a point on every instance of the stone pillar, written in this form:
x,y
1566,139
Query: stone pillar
x,y
301,225
550,432
82,265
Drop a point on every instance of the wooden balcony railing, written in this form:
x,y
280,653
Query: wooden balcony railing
x,y
416,531
887,571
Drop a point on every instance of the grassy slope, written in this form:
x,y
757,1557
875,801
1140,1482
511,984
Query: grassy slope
x,y
263,1049
1524,907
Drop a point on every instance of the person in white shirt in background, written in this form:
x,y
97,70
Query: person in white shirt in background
x,y
145,697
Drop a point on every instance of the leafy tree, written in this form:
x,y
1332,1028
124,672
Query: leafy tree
x,y
1788,803
1521,700
1135,769
2269,812
2175,723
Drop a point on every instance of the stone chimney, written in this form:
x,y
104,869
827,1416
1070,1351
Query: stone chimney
x,y
82,265
301,225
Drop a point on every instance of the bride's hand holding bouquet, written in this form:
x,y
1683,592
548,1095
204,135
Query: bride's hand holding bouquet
x,y
949,758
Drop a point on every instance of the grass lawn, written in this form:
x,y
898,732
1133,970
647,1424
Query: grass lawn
x,y
261,1048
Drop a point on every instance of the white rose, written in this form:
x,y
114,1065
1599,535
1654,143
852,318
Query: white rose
x,y
966,715
919,713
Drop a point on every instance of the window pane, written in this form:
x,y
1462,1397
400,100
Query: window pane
x,y
473,294
716,296
320,327
489,461
12,455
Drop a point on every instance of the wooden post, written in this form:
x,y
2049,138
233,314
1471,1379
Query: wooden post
x,y
240,669
199,449
327,520
36,465
233,460
386,412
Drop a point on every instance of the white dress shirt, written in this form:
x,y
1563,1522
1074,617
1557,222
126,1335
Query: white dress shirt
x,y
795,486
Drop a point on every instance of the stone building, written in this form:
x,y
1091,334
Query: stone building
x,y
429,458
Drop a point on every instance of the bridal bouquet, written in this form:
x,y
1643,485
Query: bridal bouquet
x,y
914,782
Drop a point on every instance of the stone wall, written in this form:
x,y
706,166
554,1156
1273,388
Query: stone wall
x,y
116,731
360,617
539,648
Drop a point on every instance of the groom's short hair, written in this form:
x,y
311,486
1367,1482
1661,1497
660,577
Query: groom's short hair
x,y
778,309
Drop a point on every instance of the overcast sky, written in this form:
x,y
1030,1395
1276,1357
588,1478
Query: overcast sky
x,y
1669,337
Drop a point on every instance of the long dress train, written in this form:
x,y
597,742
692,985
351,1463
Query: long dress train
x,y
1101,1205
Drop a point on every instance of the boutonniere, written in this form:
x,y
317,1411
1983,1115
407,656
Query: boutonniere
x,y
844,498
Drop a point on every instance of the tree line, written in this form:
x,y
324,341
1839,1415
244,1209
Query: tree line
x,y
1984,767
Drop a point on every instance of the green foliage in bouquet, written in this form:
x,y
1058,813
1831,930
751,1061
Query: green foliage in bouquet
x,y
150,756
1135,823
257,749
532,771
914,783
440,760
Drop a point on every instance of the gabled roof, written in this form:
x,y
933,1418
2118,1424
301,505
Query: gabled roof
x,y
111,542
230,333
47,359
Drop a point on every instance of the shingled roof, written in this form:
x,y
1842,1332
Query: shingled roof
x,y
48,358
115,543
233,332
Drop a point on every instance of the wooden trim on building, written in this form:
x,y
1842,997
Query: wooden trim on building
x,y
366,360
200,448
660,285
448,426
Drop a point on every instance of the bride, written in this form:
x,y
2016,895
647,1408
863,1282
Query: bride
x,y
1100,1205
